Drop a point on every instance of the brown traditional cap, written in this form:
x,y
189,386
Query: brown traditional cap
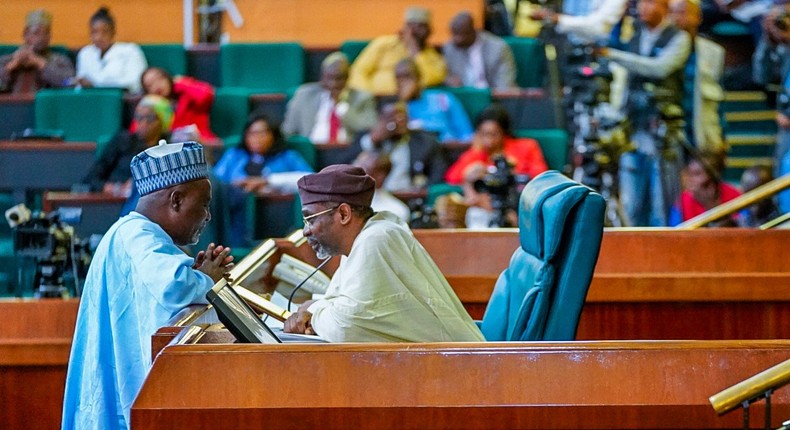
x,y
419,15
340,183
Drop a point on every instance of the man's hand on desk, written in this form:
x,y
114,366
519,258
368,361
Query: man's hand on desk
x,y
300,321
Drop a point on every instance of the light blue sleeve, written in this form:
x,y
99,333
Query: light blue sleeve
x,y
460,126
163,269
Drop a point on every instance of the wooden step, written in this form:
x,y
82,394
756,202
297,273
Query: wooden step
x,y
751,139
746,162
750,116
744,96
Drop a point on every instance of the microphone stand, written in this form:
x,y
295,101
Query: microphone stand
x,y
291,296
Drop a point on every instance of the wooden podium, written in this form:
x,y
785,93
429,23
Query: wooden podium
x,y
575,385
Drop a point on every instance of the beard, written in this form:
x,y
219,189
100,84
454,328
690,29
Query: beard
x,y
322,251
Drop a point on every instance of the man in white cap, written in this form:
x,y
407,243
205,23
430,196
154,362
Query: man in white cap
x,y
139,278
33,65
387,288
374,69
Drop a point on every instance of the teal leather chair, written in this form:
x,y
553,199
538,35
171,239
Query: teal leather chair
x,y
229,113
169,56
530,56
541,293
352,48
262,67
554,142
82,115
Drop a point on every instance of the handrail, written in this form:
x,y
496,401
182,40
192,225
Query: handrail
x,y
776,222
751,389
734,205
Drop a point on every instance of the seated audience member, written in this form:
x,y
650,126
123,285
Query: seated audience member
x,y
138,279
374,69
431,110
493,137
110,172
378,166
191,100
705,190
418,160
33,65
328,111
260,164
107,63
387,288
477,58
763,211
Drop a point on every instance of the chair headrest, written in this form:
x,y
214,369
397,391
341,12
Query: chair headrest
x,y
544,206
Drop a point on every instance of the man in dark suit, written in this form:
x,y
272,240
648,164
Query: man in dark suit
x,y
418,160
477,58
328,111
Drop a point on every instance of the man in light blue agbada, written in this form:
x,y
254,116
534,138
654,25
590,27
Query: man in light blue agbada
x,y
139,278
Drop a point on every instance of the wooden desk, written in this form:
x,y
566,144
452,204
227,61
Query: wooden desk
x,y
579,385
34,352
649,283
99,210
31,165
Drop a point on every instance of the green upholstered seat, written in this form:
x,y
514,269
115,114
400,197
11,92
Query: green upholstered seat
x,y
530,61
352,48
82,115
229,113
553,142
263,67
541,293
171,57
437,190
305,148
473,99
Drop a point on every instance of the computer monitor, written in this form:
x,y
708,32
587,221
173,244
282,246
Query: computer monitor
x,y
238,317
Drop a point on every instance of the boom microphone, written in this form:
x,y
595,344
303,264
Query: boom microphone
x,y
291,296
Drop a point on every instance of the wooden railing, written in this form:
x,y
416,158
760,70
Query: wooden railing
x,y
747,199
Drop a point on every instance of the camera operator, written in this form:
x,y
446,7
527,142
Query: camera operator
x,y
771,60
590,26
499,160
782,156
703,73
649,175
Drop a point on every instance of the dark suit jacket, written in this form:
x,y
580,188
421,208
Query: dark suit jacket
x,y
426,156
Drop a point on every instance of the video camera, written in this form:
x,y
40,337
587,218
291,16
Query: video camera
x,y
49,240
504,187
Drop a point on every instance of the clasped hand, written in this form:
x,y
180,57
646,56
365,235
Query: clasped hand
x,y
215,262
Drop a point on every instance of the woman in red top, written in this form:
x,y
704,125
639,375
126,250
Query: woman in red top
x,y
191,98
492,137
704,190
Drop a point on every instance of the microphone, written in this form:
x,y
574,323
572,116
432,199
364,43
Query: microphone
x,y
291,296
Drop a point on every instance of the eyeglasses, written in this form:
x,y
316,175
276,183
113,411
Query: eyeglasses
x,y
307,219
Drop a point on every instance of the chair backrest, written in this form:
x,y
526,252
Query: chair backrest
x,y
530,59
473,99
541,293
229,113
553,142
82,115
171,57
352,48
263,67
305,148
